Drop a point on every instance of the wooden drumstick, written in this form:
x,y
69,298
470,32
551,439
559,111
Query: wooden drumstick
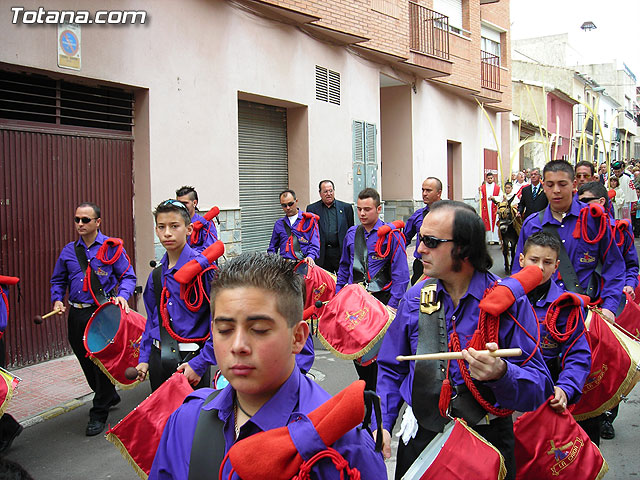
x,y
39,318
503,352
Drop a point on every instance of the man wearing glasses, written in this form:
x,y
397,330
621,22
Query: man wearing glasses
x,y
336,218
96,270
442,313
295,236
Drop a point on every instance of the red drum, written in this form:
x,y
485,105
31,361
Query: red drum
x,y
353,324
320,285
614,368
550,445
137,435
8,384
629,319
458,453
112,339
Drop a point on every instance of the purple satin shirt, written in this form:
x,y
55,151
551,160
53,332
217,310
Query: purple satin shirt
x,y
584,256
522,388
208,234
412,228
298,394
67,273
630,255
575,354
185,323
3,309
309,241
397,256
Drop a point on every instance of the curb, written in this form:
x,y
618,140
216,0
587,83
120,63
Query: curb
x,y
57,410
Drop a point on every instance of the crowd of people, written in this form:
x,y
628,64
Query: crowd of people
x,y
253,331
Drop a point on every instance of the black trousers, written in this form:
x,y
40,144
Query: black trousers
x,y
158,374
592,427
418,271
8,424
105,391
331,259
498,433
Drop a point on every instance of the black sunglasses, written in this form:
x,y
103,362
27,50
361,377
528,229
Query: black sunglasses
x,y
430,241
175,203
84,220
285,205
589,199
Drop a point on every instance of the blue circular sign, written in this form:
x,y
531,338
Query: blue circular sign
x,y
69,42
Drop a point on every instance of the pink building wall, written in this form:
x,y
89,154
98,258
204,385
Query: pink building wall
x,y
559,112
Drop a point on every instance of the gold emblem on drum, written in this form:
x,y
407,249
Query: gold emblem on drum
x,y
353,319
319,291
135,347
595,378
563,457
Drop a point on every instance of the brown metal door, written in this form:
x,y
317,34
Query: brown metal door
x,y
43,176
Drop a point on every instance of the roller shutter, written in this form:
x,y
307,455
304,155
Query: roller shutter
x,y
263,169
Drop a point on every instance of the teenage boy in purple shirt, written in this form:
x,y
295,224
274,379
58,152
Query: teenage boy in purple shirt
x,y
117,282
290,238
208,234
173,226
257,302
455,257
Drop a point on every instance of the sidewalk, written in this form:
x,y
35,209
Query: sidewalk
x,y
48,389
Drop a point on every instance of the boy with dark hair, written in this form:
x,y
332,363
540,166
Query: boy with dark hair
x,y
566,352
257,329
206,233
177,318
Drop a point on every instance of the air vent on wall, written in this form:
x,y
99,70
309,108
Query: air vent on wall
x,y
327,85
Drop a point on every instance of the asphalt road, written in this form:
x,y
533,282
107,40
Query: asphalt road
x,y
58,448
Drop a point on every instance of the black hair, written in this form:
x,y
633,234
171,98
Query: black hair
x,y
508,183
288,190
468,236
586,163
438,182
325,181
187,190
542,239
172,205
266,271
559,166
96,208
370,193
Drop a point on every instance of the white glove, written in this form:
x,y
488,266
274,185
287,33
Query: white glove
x,y
409,426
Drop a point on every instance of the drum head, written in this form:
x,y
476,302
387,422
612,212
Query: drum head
x,y
103,327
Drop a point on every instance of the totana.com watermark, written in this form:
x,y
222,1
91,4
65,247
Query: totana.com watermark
x,y
83,17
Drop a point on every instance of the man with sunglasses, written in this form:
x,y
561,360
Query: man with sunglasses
x,y
442,313
95,269
296,235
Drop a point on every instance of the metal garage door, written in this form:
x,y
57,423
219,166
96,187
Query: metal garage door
x,y
60,144
264,170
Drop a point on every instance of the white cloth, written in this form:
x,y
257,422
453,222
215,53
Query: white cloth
x,y
409,426
629,191
491,235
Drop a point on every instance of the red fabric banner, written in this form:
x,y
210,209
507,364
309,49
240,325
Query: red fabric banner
x,y
629,319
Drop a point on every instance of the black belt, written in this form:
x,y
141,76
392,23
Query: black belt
x,y
332,246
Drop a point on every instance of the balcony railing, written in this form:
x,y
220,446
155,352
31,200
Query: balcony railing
x,y
490,72
580,123
429,31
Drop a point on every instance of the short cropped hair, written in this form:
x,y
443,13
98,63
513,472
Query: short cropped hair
x,y
468,236
587,163
596,189
172,205
325,181
543,239
559,166
266,271
288,190
370,193
96,208
187,190
438,182
508,183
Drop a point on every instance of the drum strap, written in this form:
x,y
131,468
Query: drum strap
x,y
169,352
297,251
429,375
566,270
361,265
207,449
96,286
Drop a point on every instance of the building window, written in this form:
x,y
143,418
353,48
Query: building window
x,y
327,85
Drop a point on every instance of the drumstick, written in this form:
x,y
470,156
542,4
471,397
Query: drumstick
x,y
503,352
39,318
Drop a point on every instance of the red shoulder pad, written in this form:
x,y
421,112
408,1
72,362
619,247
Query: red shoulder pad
x,y
214,251
596,210
398,224
211,214
187,272
4,280
310,215
500,298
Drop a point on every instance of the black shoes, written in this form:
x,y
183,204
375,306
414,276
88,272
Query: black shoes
x,y
6,442
95,427
606,430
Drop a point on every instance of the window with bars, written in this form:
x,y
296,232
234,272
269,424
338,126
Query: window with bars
x,y
327,85
37,98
